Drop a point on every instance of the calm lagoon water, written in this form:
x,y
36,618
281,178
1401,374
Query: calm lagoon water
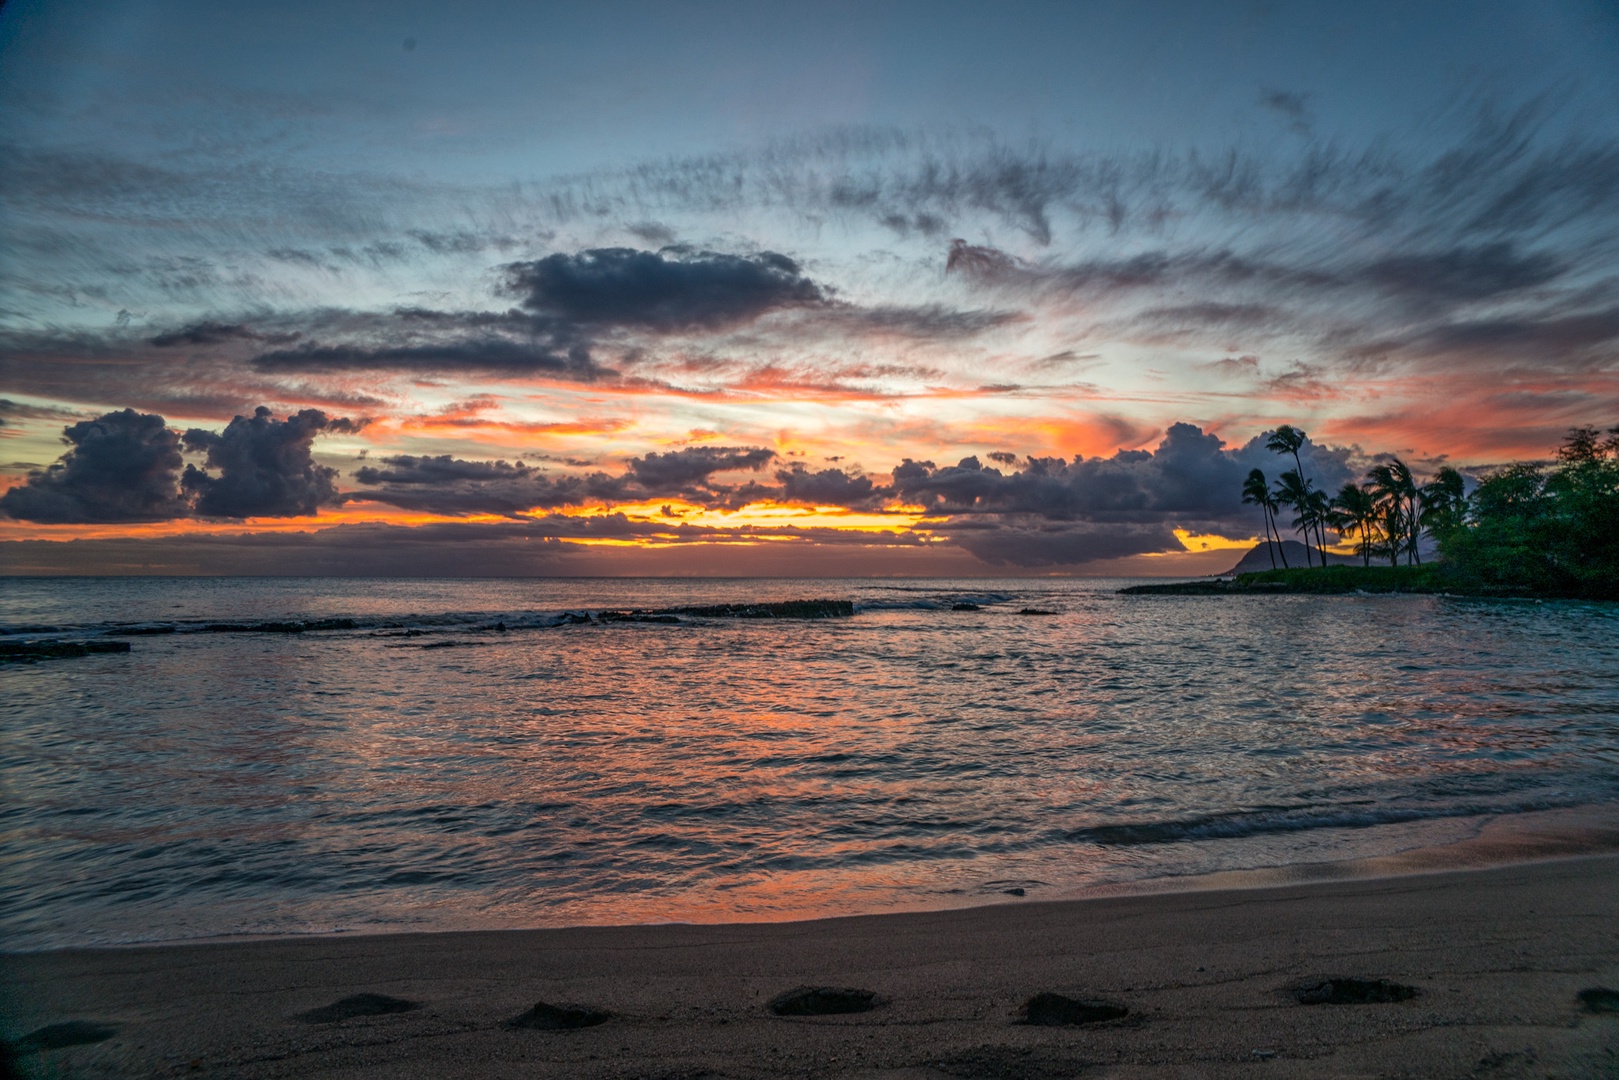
x,y
424,770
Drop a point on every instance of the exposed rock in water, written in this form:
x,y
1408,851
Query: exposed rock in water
x,y
27,652
277,627
1036,611
822,1001
1059,1010
965,607
1180,588
544,1017
780,609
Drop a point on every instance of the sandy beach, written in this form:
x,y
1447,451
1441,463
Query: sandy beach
x,y
1481,971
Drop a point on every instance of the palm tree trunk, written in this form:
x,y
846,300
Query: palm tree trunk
x,y
1299,465
1279,549
1416,533
1266,511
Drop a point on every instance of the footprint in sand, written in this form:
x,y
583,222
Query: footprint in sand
x,y
822,1001
358,1005
1059,1010
60,1036
544,1017
1352,992
1599,999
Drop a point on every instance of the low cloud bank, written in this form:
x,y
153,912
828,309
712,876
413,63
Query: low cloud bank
x,y
1016,511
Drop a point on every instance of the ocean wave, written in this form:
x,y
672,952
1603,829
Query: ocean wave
x,y
934,601
1286,819
496,621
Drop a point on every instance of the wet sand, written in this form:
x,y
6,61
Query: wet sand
x,y
1481,971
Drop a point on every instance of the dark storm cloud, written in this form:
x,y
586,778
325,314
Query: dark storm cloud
x,y
1051,511
122,467
444,469
1062,545
828,487
447,485
675,289
266,466
1058,511
492,355
694,465
612,299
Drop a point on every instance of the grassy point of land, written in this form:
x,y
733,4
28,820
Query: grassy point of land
x,y
1341,579
1430,578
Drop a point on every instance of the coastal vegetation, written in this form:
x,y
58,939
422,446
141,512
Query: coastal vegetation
x,y
1529,528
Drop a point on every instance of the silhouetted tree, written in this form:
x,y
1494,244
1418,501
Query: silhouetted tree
x,y
1444,502
1286,440
1355,511
1256,492
1320,504
1396,494
1293,490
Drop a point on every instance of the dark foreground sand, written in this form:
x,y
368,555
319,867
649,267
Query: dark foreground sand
x,y
1498,958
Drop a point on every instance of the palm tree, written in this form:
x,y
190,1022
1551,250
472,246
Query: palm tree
x,y
1293,490
1256,492
1354,510
1444,501
1391,522
1393,483
1312,507
1286,440
1320,506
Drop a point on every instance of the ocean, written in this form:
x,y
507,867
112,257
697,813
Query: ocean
x,y
456,754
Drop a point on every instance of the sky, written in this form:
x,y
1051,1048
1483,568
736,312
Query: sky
x,y
826,289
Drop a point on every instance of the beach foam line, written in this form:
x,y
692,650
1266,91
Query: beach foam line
x,y
1500,840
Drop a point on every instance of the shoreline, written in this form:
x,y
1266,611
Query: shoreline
x,y
1210,979
1429,579
1494,840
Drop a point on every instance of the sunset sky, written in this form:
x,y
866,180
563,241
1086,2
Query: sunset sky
x,y
820,289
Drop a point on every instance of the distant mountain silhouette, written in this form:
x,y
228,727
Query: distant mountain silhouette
x,y
1259,558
